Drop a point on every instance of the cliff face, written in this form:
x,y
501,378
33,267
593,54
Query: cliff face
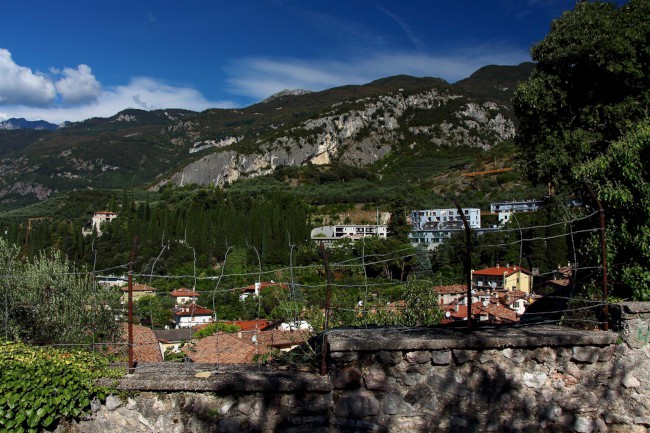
x,y
358,133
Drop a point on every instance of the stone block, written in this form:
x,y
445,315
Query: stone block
x,y
534,380
394,404
517,356
112,402
388,357
346,377
358,404
441,357
418,357
544,355
583,425
585,354
462,356
417,394
375,378
344,357
629,381
229,425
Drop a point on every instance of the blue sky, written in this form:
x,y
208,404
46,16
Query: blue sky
x,y
71,60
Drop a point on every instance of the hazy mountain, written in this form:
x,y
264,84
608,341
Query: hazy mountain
x,y
11,124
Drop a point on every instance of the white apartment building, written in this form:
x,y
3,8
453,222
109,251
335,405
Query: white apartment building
x,y
329,234
432,219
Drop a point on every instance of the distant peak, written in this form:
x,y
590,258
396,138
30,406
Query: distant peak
x,y
287,92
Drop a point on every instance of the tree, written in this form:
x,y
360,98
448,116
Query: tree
x,y
398,227
152,312
584,111
47,301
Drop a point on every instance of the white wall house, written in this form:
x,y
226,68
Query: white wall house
x,y
189,316
99,218
431,219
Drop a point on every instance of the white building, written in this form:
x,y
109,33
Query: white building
x,y
329,234
507,208
432,219
189,316
97,220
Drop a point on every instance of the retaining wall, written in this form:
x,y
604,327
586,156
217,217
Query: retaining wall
x,y
517,379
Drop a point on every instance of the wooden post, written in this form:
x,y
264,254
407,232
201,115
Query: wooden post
x,y
130,306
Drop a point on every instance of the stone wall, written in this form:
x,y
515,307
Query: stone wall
x,y
537,378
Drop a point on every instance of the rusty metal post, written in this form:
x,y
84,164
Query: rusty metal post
x,y
603,250
468,263
328,294
130,306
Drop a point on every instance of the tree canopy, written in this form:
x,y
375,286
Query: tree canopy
x,y
584,115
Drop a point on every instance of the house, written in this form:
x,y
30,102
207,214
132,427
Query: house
x,y
225,348
502,278
450,294
173,339
505,209
184,296
99,218
328,234
189,316
139,291
111,281
249,325
256,288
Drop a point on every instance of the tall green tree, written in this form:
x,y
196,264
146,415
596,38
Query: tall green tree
x,y
584,111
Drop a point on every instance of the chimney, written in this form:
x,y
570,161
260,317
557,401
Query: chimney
x,y
497,266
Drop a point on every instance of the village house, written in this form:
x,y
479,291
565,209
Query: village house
x,y
256,288
502,278
189,316
139,291
184,296
99,218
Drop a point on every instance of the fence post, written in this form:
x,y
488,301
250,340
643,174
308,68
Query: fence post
x,y
130,306
328,294
603,250
468,263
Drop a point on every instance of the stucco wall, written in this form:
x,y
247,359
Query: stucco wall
x,y
537,378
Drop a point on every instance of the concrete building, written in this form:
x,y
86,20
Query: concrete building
x,y
329,234
432,219
503,279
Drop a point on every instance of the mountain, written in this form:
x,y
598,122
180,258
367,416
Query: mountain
x,y
11,124
395,127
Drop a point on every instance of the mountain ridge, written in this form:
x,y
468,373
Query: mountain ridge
x,y
379,124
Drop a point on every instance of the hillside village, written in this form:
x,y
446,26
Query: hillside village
x,y
499,294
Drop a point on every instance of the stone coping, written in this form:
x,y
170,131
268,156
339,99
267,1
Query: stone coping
x,y
634,307
174,377
441,338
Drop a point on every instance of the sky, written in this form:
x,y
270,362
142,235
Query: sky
x,y
69,60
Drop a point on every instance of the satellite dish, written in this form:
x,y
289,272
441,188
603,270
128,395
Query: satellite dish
x,y
447,314
254,339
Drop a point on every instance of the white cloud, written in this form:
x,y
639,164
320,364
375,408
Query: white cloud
x,y
141,92
74,94
20,85
78,85
260,77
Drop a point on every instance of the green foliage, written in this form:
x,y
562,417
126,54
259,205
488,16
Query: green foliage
x,y
213,328
583,117
47,302
152,312
41,386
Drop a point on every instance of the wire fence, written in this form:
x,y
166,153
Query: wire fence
x,y
286,307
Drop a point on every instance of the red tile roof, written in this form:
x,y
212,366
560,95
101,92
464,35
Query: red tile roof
x,y
192,310
145,344
184,292
451,290
282,339
501,270
224,348
247,325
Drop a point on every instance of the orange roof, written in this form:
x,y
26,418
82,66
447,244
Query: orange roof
x,y
184,292
500,271
248,325
192,310
277,338
225,348
139,288
451,290
145,344
500,313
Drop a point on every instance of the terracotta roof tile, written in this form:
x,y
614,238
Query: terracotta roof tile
x,y
192,310
247,325
500,270
184,292
145,344
451,290
224,348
